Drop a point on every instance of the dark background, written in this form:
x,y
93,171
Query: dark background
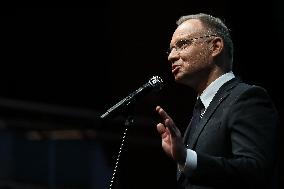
x,y
63,67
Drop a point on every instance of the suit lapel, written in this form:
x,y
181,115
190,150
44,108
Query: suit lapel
x,y
222,94
186,133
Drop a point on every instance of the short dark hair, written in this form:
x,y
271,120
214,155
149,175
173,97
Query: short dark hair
x,y
216,26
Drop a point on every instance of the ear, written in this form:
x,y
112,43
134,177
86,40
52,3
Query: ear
x,y
216,46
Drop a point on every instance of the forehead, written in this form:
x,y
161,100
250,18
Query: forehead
x,y
187,28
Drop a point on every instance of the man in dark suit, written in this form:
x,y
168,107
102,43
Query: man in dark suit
x,y
231,141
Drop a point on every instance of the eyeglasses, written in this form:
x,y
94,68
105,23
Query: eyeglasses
x,y
184,43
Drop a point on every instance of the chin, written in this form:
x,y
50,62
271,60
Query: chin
x,y
182,79
178,78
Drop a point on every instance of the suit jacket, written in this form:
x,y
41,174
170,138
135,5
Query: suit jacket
x,y
235,141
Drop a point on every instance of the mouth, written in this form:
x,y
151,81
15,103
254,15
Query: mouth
x,y
175,69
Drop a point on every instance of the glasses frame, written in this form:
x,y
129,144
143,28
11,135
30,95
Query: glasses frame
x,y
185,43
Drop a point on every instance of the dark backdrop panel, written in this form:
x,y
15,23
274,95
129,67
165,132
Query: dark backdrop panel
x,y
90,58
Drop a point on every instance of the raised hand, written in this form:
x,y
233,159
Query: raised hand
x,y
171,137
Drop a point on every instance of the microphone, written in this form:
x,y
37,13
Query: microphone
x,y
154,84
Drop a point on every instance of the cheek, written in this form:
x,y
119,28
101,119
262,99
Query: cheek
x,y
204,58
197,58
204,54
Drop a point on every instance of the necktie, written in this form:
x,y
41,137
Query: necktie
x,y
196,116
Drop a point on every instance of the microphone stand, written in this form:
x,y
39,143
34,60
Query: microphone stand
x,y
127,123
154,84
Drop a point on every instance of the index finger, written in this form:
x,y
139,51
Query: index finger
x,y
162,113
168,122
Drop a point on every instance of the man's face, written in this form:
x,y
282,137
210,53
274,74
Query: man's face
x,y
190,53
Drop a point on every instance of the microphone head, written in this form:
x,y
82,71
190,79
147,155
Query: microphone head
x,y
156,82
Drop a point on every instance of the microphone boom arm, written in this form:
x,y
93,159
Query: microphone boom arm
x,y
155,83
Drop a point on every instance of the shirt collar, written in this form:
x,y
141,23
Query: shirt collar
x,y
208,94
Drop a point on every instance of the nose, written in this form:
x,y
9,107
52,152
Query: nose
x,y
173,55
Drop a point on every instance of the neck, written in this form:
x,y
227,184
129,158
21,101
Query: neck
x,y
212,76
